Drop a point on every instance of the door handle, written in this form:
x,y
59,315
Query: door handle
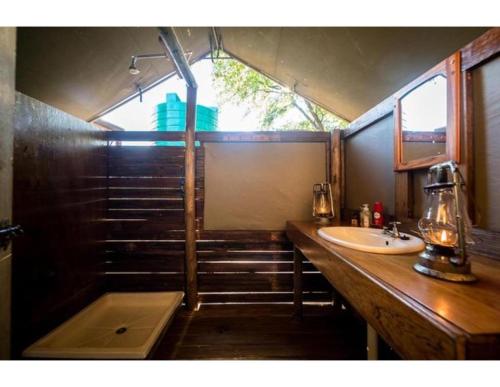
x,y
7,232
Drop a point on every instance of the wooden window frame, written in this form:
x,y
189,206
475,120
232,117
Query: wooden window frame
x,y
450,68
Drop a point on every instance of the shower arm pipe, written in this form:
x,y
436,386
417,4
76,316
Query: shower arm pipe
x,y
135,58
174,49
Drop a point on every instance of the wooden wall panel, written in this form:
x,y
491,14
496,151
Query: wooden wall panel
x,y
419,198
59,199
7,101
252,266
486,98
144,243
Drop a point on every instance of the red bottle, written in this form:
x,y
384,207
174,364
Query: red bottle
x,y
378,215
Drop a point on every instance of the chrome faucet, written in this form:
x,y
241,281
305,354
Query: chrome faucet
x,y
394,232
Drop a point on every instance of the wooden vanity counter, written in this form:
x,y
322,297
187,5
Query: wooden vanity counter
x,y
419,316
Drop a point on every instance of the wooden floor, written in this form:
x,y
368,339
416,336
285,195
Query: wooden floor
x,y
253,332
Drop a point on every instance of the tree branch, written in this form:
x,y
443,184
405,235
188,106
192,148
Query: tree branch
x,y
319,123
304,113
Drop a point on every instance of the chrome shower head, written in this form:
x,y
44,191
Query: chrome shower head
x,y
132,69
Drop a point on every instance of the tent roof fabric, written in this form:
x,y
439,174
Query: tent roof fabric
x,y
84,71
347,70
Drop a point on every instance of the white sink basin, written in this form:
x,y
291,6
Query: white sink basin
x,y
371,240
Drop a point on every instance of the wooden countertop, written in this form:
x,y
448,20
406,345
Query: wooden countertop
x,y
468,314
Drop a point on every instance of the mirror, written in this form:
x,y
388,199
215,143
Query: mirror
x,y
426,126
423,120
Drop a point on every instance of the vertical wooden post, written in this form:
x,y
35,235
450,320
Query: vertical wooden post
x,y
403,195
371,343
297,282
336,173
189,202
468,106
169,39
337,300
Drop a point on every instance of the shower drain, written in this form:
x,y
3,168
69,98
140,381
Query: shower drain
x,y
121,330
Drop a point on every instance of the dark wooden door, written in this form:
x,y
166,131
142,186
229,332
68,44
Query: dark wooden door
x,y
7,102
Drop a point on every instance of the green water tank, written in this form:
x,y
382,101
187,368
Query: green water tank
x,y
171,115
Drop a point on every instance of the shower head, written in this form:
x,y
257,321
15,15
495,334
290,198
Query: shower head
x,y
132,69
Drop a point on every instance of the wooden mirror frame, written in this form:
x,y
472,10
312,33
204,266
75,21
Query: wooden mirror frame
x,y
450,68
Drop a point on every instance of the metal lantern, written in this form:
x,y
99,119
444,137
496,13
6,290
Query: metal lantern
x,y
445,226
323,203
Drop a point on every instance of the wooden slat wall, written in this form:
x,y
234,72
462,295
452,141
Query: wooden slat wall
x,y
252,266
59,199
144,247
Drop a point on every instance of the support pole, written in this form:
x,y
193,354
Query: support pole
x,y
189,202
176,53
336,174
298,257
371,343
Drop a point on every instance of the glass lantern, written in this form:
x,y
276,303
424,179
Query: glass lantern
x,y
445,226
323,203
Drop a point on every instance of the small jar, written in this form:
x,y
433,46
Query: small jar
x,y
355,220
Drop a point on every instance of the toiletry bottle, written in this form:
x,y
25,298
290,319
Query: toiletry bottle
x,y
378,215
355,219
365,216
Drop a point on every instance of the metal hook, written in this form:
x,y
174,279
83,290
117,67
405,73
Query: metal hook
x,y
140,92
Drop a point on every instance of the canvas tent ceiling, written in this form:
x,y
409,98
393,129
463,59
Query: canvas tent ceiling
x,y
84,71
347,70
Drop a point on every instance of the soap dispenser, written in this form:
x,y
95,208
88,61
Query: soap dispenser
x,y
365,216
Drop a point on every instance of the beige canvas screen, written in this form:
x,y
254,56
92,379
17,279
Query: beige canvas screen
x,y
259,186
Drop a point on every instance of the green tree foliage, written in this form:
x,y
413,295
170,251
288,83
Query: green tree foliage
x,y
235,81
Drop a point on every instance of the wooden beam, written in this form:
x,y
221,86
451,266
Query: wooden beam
x,y
189,202
481,49
336,173
174,48
371,343
383,109
139,135
468,111
343,186
263,136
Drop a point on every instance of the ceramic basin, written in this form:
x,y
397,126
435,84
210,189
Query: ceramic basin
x,y
371,240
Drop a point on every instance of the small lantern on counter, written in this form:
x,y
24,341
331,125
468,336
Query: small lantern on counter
x,y
445,226
323,203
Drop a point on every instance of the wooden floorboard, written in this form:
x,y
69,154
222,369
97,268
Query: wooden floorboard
x,y
263,332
